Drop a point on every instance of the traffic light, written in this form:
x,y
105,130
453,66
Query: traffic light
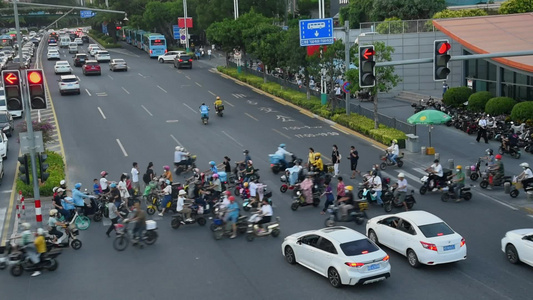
x,y
36,88
12,88
42,166
367,66
441,57
24,169
119,27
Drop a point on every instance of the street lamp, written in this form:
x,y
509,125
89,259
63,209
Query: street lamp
x,y
236,9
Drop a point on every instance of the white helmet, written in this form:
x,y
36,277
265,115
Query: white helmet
x,y
62,182
40,231
26,226
182,192
178,148
401,175
524,165
53,212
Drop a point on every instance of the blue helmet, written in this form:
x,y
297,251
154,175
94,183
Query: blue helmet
x,y
282,145
167,181
212,163
77,185
113,185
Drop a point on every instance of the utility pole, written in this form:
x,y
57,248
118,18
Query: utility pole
x,y
185,22
323,87
236,9
347,60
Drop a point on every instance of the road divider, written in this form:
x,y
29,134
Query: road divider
x,y
145,109
101,112
122,148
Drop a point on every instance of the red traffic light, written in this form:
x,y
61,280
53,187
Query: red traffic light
x,y
444,47
119,27
369,52
11,78
35,77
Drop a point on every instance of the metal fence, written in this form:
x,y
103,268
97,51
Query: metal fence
x,y
397,27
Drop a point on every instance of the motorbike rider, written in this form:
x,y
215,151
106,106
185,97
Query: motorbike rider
x,y
280,154
377,187
232,214
115,194
245,192
227,165
213,167
307,188
393,151
104,183
78,196
243,163
63,184
249,171
435,173
497,171
59,205
311,158
401,190
167,174
140,221
204,110
294,172
181,207
216,186
346,202
458,183
181,158
526,177
318,164
40,246
265,214
489,157
56,227
167,196
218,104
511,140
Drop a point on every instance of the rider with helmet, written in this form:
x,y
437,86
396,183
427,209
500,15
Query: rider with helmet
x,y
393,151
213,167
78,196
280,154
401,190
318,165
218,104
216,186
249,171
347,201
232,214
56,227
181,157
104,183
526,177
166,173
204,110
181,207
497,171
490,157
458,183
63,184
167,196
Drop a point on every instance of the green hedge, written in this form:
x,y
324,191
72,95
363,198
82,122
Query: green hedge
x,y
478,100
500,106
456,96
56,169
104,40
356,122
522,112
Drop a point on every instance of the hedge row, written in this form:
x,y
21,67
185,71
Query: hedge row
x,y
104,40
354,121
56,169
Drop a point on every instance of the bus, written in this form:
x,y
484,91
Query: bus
x,y
139,38
128,34
154,44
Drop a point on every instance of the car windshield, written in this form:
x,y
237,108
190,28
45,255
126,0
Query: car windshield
x,y
185,57
103,53
358,247
63,64
52,51
1,92
436,229
81,56
3,118
93,63
119,61
69,80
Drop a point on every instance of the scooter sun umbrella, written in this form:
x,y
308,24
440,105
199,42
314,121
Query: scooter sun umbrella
x,y
429,117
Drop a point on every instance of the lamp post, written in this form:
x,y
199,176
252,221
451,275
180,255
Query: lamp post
x,y
185,23
236,9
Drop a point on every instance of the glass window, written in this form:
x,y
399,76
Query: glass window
x,y
358,247
521,93
311,240
157,42
491,87
471,68
482,69
508,75
3,118
406,227
492,72
436,229
327,246
521,78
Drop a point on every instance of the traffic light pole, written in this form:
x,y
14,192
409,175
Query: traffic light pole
x,y
347,61
26,108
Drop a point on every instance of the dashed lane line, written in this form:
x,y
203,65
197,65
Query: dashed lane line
x,y
122,148
211,93
176,140
249,115
125,90
283,134
233,139
162,89
88,92
101,112
147,110
198,84
190,108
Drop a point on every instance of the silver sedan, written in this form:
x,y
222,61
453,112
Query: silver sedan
x,y
118,64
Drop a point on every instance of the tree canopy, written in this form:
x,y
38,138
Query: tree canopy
x,y
516,7
406,9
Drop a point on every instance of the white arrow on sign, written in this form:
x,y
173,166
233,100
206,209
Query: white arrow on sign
x,y
316,33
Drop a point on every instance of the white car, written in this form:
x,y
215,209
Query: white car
x,y
78,41
92,46
53,54
423,237
69,84
169,56
3,145
518,246
3,104
94,50
341,254
62,66
102,55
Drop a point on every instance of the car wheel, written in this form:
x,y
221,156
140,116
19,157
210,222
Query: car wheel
x,y
512,254
334,278
373,237
289,255
161,60
412,259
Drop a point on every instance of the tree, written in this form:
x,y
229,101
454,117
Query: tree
x,y
406,9
462,13
356,12
391,26
516,7
385,77
160,16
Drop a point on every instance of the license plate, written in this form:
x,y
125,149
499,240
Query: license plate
x,y
69,85
450,247
373,267
185,62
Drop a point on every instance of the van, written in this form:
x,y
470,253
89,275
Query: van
x,y
73,47
64,41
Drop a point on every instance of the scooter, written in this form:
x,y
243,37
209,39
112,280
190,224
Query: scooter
x,y
514,151
429,185
357,215
486,181
178,168
179,219
221,229
300,201
464,193
387,162
22,262
285,185
389,202
219,109
276,166
476,170
248,203
71,240
205,119
252,231
515,191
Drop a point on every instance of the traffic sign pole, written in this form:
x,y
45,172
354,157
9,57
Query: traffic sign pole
x,y
185,21
347,61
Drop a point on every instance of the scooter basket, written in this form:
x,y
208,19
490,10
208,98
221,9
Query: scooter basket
x,y
363,206
223,176
151,225
473,167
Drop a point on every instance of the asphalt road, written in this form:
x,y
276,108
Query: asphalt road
x,y
142,114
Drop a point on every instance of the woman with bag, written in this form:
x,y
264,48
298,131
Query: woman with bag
x,y
335,159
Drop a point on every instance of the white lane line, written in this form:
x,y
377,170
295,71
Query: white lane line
x,y
122,148
101,112
88,92
141,75
162,89
498,201
411,176
190,108
187,76
283,134
3,212
211,93
6,192
376,147
229,104
147,110
175,139
198,84
125,90
249,115
110,76
233,139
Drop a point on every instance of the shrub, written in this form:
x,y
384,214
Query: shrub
x,y
500,106
45,126
523,112
392,25
56,169
478,100
456,96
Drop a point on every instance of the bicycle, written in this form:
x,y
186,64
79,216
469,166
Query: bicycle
x,y
148,237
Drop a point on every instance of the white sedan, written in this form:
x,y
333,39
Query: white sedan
x,y
343,255
102,55
62,66
3,145
169,56
518,246
78,41
423,237
53,54
94,50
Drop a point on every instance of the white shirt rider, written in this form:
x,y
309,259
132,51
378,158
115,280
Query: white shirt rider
x,y
266,210
180,203
437,168
527,173
103,183
376,183
402,185
394,149
253,189
180,156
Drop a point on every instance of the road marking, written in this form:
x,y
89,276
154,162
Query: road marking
x,y
175,139
198,84
122,148
283,134
239,95
109,76
125,90
411,176
101,112
233,139
190,108
162,89
147,110
249,115
419,170
187,76
3,212
498,201
88,92
179,71
339,129
376,147
141,75
102,94
211,93
172,121
6,192
229,104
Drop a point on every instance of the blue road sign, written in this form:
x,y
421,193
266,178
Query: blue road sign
x,y
316,32
87,14
176,31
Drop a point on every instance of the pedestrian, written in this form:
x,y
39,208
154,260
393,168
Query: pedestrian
x,y
123,188
135,178
329,198
227,165
335,159
149,175
114,216
482,131
354,158
209,53
340,188
97,189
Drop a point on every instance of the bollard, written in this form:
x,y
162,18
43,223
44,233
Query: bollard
x,y
437,156
451,164
468,172
529,195
507,187
423,150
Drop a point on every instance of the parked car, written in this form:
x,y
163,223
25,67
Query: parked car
x,y
62,66
91,67
3,145
341,254
518,246
102,56
169,56
118,64
421,236
6,123
69,84
183,61
79,59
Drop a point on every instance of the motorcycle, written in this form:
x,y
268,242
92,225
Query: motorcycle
x,y
221,229
300,201
71,241
285,185
389,202
196,217
514,151
464,193
219,109
485,182
419,106
276,166
366,185
476,170
252,230
21,262
429,185
387,162
357,215
148,237
205,119
517,185
179,168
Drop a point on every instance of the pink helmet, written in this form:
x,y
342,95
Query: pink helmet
x,y
215,175
166,168
103,173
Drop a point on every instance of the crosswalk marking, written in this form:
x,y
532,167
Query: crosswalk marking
x,y
420,170
239,95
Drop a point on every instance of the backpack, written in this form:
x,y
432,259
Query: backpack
x,y
146,178
106,211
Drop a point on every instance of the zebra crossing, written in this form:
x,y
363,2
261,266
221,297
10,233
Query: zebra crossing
x,y
239,96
